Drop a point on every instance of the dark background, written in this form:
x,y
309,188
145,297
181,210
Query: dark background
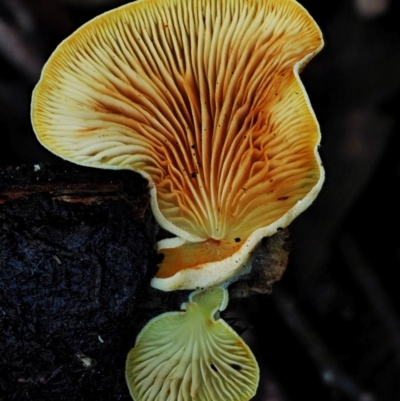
x,y
330,331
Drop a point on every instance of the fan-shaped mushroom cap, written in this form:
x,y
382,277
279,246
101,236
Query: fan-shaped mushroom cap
x,y
192,355
202,98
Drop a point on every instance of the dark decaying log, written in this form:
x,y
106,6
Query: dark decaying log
x,y
76,258
75,252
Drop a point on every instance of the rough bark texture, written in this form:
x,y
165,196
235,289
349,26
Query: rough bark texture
x,y
76,250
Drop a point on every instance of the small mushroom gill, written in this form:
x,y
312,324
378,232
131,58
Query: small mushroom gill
x,y
191,355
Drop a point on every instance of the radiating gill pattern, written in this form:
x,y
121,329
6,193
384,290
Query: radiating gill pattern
x,y
192,355
201,97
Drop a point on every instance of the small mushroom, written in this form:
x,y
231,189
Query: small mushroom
x,y
203,99
192,355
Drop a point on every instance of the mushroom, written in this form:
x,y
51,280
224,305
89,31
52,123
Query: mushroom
x,y
203,99
192,355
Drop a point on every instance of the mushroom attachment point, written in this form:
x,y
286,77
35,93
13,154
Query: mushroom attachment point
x,y
192,355
203,99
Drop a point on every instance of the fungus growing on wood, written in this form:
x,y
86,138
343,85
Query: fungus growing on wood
x,y
204,100
192,355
